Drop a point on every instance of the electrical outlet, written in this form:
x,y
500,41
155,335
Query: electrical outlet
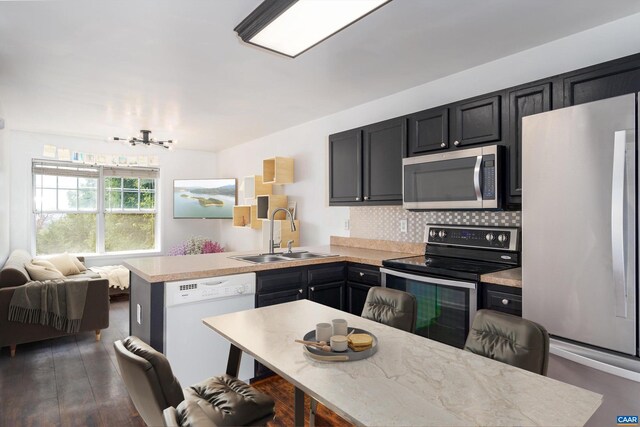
x,y
403,225
347,226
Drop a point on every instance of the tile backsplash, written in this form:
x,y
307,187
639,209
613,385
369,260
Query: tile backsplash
x,y
383,222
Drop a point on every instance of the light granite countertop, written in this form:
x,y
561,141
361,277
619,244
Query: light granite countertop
x,y
410,380
167,268
511,277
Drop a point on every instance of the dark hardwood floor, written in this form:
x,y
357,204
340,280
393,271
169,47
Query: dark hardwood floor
x,y
69,381
74,381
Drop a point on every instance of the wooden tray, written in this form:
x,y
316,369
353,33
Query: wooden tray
x,y
339,356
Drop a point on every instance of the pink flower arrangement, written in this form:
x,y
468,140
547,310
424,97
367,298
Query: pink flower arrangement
x,y
195,246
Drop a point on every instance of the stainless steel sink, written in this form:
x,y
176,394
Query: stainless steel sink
x,y
280,257
305,255
259,259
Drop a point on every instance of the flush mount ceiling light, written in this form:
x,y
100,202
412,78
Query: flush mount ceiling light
x,y
146,140
291,27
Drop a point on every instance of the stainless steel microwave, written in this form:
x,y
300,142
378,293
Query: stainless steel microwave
x,y
461,179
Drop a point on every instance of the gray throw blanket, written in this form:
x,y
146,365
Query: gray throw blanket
x,y
56,303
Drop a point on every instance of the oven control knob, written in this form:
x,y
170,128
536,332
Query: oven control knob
x,y
433,233
490,237
442,234
502,238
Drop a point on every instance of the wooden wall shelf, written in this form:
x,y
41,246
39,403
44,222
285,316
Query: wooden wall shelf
x,y
266,205
246,216
255,186
277,170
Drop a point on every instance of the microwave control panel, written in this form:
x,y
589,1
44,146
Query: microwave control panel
x,y
489,177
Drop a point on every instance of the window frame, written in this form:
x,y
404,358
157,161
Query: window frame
x,y
101,210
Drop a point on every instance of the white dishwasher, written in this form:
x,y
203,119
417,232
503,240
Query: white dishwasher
x,y
195,351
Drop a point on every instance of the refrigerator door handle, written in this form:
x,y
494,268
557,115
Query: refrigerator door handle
x,y
476,178
619,203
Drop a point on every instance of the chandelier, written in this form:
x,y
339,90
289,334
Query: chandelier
x,y
146,140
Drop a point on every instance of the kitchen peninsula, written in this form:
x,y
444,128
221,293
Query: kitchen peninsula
x,y
149,274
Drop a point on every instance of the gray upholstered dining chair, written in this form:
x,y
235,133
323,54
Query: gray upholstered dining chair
x,y
509,339
392,307
224,400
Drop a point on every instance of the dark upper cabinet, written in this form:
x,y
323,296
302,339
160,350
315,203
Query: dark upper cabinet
x,y
601,81
365,165
384,148
364,162
428,131
523,101
345,167
330,294
478,121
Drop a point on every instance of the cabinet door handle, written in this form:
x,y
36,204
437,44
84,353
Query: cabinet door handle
x,y
357,199
366,197
505,301
456,143
312,289
361,274
442,144
299,291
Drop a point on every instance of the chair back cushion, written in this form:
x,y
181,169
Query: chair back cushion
x,y
13,272
509,339
148,378
226,401
391,307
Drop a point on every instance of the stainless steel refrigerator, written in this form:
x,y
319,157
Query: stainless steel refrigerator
x,y
579,221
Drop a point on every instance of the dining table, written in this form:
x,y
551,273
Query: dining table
x,y
409,381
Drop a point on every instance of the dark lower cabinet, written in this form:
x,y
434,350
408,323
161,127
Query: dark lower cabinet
x,y
280,297
356,296
322,283
330,294
523,101
506,299
360,278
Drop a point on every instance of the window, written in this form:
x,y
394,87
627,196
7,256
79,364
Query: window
x,y
87,209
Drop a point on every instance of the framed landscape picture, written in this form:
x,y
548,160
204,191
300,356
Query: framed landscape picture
x,y
204,198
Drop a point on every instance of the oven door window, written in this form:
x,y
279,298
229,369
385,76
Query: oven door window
x,y
441,181
443,311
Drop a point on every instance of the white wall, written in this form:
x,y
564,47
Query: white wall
x,y
174,164
4,195
307,143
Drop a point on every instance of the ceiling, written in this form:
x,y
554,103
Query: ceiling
x,y
109,68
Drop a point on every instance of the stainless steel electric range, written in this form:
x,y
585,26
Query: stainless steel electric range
x,y
445,280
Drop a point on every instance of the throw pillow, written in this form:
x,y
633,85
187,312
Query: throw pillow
x,y
40,272
78,263
44,263
64,263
